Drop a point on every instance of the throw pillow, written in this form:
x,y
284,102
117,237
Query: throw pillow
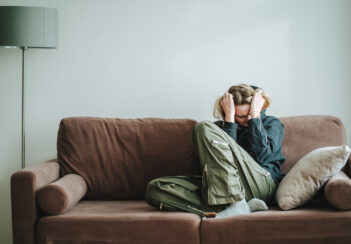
x,y
309,174
337,191
61,195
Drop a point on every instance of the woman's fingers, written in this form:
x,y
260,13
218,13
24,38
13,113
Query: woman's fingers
x,y
227,94
258,93
227,97
257,103
258,96
227,103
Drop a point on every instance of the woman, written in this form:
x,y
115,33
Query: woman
x,y
240,158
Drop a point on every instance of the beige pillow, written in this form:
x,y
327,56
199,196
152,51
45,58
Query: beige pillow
x,y
309,174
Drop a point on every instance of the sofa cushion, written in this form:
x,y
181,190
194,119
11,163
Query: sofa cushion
x,y
110,222
338,191
309,174
61,195
313,224
118,157
306,133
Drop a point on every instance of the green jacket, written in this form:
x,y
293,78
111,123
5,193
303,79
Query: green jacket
x,y
262,139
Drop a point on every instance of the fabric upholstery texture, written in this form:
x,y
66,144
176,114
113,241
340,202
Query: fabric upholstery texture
x,y
61,195
306,133
309,174
338,191
118,157
317,223
117,222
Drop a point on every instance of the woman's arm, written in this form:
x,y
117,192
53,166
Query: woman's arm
x,y
228,106
265,141
230,128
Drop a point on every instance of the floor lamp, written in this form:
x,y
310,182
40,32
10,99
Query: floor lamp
x,y
27,27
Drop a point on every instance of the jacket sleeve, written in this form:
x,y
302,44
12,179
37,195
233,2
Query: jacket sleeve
x,y
264,141
229,127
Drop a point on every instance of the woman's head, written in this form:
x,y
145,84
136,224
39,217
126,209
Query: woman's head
x,y
242,97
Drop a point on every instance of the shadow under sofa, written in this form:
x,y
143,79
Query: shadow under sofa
x,y
118,157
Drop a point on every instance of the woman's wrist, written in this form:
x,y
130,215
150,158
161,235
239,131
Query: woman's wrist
x,y
229,118
254,115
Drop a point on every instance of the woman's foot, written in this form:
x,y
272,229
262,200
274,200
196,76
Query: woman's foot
x,y
256,204
242,207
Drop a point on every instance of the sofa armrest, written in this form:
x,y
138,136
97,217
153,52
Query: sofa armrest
x,y
24,184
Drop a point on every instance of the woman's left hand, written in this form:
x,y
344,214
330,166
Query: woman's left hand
x,y
257,103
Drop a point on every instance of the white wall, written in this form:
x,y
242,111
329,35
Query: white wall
x,y
171,59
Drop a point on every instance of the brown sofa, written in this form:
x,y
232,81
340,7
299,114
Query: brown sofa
x,y
118,157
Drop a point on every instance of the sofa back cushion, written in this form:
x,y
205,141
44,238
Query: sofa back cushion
x,y
118,157
306,133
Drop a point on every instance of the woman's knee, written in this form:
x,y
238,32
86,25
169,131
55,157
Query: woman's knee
x,y
202,127
207,130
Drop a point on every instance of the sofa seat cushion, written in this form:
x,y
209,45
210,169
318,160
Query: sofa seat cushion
x,y
318,224
102,222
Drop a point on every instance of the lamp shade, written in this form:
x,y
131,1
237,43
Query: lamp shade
x,y
34,27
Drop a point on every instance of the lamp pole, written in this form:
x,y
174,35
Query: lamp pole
x,y
27,27
23,106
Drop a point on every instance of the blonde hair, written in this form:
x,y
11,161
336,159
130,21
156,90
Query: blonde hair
x,y
242,94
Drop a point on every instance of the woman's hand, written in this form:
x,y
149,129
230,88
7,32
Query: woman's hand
x,y
228,107
256,105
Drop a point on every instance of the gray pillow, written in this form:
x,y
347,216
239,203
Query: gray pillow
x,y
309,174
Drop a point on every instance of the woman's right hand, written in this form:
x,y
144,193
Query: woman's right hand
x,y
228,107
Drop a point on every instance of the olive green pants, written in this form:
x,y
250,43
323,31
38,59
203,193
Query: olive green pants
x,y
229,174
